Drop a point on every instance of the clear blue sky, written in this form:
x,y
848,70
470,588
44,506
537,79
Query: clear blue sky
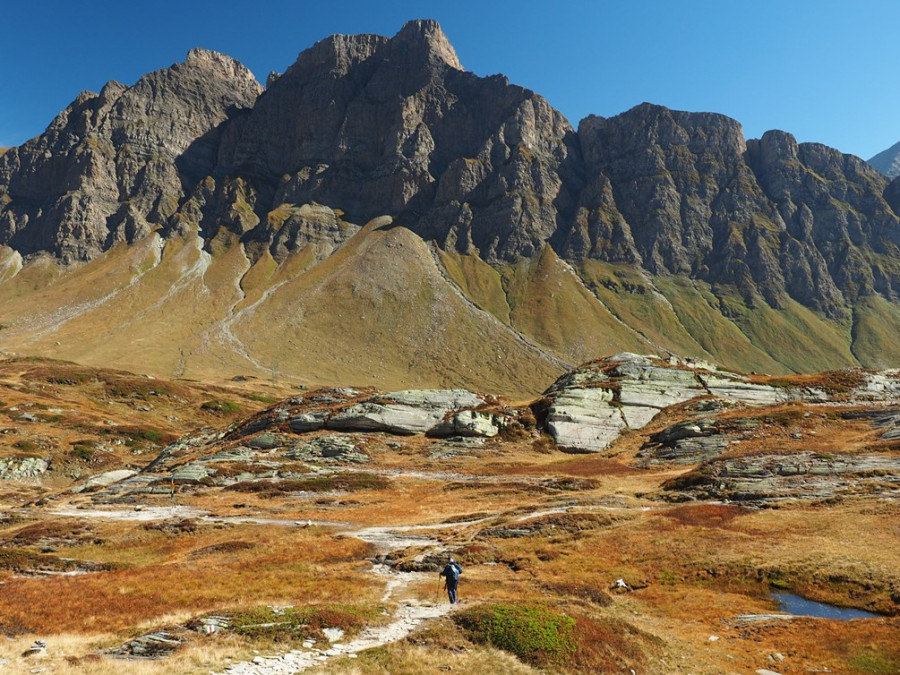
x,y
818,69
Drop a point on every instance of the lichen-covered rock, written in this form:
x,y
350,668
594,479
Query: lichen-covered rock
x,y
310,421
736,388
467,423
880,386
105,479
584,419
193,472
334,447
687,442
403,412
628,391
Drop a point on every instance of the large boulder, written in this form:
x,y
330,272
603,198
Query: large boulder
x,y
467,423
584,419
590,407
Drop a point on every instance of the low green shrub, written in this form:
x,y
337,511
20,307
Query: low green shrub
x,y
533,633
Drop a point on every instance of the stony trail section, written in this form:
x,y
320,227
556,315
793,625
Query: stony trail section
x,y
409,615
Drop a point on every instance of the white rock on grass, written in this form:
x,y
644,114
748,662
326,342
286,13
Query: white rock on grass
x,y
403,412
734,388
105,479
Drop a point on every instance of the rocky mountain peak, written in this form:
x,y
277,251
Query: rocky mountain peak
x,y
336,54
427,33
888,161
112,167
363,127
221,65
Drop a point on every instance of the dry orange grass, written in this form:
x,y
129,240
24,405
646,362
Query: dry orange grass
x,y
190,573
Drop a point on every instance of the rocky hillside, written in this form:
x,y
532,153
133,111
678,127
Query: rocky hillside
x,y
710,434
654,230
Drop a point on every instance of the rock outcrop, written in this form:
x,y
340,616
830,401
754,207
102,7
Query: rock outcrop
x,y
775,477
589,408
115,165
402,412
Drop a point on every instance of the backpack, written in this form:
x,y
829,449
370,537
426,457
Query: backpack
x,y
452,571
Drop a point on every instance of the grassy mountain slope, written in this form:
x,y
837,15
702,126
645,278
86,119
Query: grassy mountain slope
x,y
387,310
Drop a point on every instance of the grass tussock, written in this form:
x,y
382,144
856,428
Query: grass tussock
x,y
287,624
706,515
350,481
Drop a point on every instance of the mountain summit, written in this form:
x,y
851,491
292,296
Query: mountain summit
x,y
653,230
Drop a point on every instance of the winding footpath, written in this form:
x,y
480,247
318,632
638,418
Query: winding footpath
x,y
409,615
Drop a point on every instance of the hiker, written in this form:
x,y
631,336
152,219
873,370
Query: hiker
x,y
451,573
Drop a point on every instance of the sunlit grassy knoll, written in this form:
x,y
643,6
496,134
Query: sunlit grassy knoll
x,y
699,312
480,282
89,420
798,337
876,323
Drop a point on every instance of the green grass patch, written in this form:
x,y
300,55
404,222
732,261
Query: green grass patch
x,y
136,435
533,633
83,451
262,399
221,407
873,661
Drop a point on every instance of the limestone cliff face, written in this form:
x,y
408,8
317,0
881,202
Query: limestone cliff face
x,y
112,166
683,193
366,126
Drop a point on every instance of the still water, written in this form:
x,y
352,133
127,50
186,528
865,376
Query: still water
x,y
794,604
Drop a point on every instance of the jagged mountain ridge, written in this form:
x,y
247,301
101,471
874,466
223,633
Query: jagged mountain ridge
x,y
367,126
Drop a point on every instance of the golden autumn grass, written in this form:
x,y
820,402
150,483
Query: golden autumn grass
x,y
529,524
159,572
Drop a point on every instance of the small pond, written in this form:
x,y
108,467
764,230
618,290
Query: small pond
x,y
794,604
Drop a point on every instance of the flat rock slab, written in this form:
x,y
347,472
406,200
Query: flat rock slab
x,y
734,388
152,646
403,412
105,479
804,475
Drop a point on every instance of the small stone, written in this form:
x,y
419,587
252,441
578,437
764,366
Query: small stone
x,y
713,638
